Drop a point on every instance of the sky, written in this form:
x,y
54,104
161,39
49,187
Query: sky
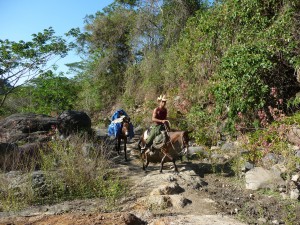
x,y
19,19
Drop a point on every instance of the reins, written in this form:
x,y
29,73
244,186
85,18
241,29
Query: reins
x,y
183,146
167,128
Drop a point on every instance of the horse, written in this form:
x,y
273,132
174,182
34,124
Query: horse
x,y
123,134
175,147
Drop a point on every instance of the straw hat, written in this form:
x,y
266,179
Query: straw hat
x,y
162,98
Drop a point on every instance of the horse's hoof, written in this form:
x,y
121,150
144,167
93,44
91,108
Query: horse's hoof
x,y
145,169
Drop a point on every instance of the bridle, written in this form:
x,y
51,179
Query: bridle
x,y
185,144
125,120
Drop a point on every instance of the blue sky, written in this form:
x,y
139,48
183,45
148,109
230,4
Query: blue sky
x,y
19,19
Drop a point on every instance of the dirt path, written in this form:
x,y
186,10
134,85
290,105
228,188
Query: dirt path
x,y
154,198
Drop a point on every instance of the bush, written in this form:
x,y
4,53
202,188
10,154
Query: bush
x,y
74,169
79,175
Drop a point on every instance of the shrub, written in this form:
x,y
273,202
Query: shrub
x,y
70,172
79,175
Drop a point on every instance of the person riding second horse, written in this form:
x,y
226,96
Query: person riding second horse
x,y
159,117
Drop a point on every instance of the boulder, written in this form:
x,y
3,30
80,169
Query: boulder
x,y
260,178
131,219
70,122
293,136
26,127
167,189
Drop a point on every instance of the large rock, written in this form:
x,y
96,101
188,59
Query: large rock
x,y
21,138
260,178
164,201
167,189
71,122
293,135
26,127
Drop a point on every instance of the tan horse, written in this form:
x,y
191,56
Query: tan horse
x,y
125,126
175,147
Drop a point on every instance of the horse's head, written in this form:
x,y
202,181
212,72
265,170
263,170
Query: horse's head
x,y
179,141
185,142
126,125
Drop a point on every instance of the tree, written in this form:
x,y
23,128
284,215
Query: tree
x,y
107,42
49,93
22,61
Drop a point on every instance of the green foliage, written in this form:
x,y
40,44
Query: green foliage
x,y
25,60
174,17
221,59
205,133
128,2
292,120
69,174
239,84
48,93
236,52
269,140
150,70
14,199
291,213
79,176
133,94
109,51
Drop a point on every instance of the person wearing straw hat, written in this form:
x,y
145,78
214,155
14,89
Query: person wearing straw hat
x,y
159,117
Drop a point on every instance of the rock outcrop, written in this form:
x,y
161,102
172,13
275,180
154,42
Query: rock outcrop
x,y
23,135
26,127
71,122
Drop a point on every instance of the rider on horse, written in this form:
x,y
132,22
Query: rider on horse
x,y
159,117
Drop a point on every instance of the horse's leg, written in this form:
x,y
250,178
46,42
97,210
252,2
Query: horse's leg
x,y
175,167
145,165
172,159
118,145
125,142
145,162
162,163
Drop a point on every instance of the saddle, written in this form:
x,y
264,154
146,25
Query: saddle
x,y
160,140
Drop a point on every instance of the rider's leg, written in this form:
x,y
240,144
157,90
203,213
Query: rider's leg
x,y
154,131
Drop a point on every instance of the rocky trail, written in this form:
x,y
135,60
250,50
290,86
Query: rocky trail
x,y
192,196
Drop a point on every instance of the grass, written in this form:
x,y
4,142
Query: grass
x,y
68,173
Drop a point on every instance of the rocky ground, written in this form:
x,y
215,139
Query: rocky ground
x,y
195,195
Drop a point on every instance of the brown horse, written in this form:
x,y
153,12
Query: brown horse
x,y
123,134
174,148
